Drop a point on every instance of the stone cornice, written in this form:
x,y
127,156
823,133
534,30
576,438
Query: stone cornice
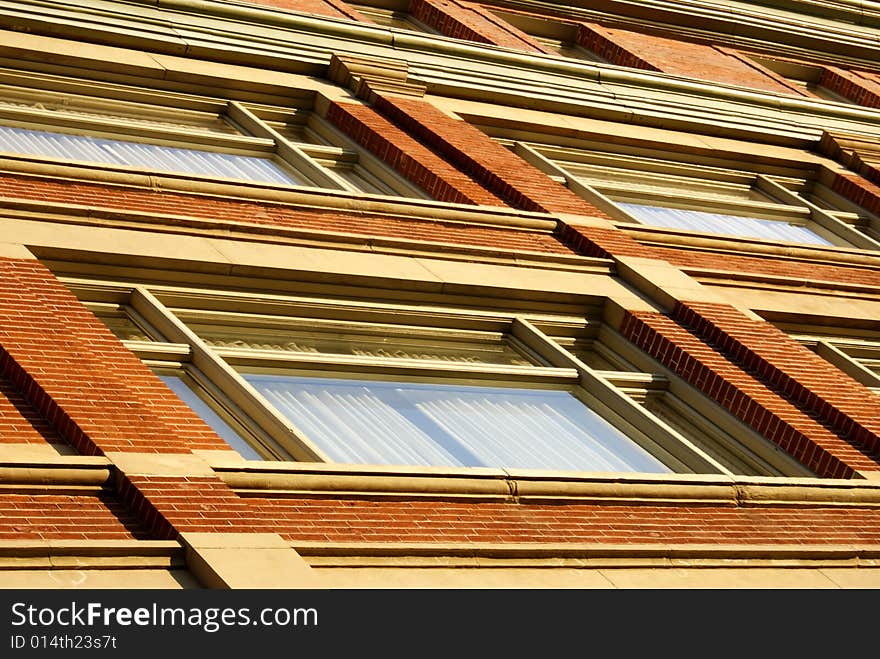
x,y
298,479
286,41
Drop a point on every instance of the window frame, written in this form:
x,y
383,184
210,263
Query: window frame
x,y
785,204
314,164
613,395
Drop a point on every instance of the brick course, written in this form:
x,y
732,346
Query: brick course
x,y
80,378
496,168
860,190
227,210
20,423
408,157
25,516
794,270
859,87
677,57
366,520
839,402
331,8
748,397
169,505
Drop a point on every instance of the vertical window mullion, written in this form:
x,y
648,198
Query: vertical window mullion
x,y
581,189
227,379
849,365
669,441
288,151
821,217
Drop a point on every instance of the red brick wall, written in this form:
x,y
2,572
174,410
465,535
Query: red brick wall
x,y
225,211
859,190
859,87
499,170
839,402
465,20
408,157
331,8
169,505
79,377
601,241
25,516
20,423
753,399
407,520
677,57
766,265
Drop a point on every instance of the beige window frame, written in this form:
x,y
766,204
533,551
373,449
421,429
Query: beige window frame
x,y
646,176
318,155
692,435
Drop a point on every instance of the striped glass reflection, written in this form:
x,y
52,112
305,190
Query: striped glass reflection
x,y
731,225
135,154
367,422
209,416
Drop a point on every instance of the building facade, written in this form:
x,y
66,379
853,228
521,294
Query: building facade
x,y
311,294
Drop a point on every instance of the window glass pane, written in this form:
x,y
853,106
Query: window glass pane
x,y
209,416
392,343
135,154
367,422
733,225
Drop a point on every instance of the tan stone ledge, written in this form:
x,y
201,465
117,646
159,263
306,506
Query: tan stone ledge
x,y
160,464
311,479
94,554
303,198
25,452
739,279
323,564
771,23
246,560
89,547
59,471
432,58
622,554
664,283
317,478
15,251
280,235
402,41
647,235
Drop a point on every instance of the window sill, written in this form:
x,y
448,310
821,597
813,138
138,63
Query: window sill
x,y
276,479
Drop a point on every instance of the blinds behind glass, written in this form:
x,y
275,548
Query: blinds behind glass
x,y
135,154
717,223
209,416
449,425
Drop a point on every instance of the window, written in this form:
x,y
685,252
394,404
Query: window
x,y
182,384
211,139
701,195
344,380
